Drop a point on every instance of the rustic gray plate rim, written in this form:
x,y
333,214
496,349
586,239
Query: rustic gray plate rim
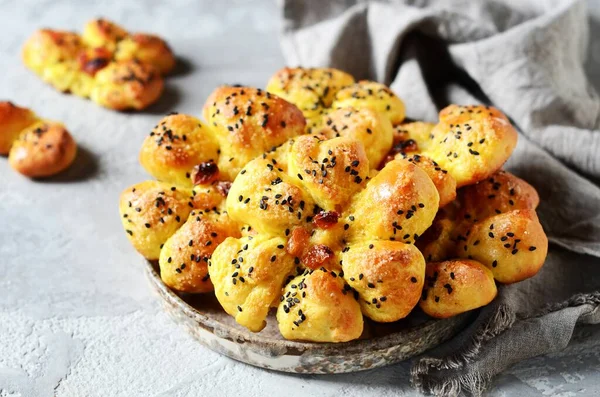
x,y
299,346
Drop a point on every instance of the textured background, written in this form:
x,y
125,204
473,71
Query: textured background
x,y
76,315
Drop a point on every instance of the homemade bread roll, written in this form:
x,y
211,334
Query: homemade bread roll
x,y
456,286
248,274
184,257
175,146
43,149
399,203
319,306
388,276
106,64
268,199
512,245
500,193
443,181
248,122
332,171
471,142
151,212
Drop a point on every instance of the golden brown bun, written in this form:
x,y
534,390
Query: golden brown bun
x,y
512,245
371,128
248,122
44,148
248,274
184,257
369,94
103,33
332,171
127,85
471,142
151,212
268,199
456,286
48,47
148,49
177,144
13,120
319,307
443,181
399,203
311,89
500,193
388,276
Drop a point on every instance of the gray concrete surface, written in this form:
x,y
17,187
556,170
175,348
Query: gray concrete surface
x,y
77,317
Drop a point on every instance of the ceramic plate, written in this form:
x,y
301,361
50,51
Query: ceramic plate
x,y
381,344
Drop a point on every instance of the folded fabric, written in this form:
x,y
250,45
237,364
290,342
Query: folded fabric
x,y
526,58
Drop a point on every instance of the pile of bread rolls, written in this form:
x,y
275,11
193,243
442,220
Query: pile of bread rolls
x,y
314,198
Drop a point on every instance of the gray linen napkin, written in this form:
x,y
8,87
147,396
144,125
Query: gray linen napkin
x,y
526,58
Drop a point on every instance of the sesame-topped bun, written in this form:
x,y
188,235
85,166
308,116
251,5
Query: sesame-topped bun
x,y
369,94
43,149
184,257
388,276
512,245
443,181
248,122
127,85
175,146
371,128
13,120
48,47
456,286
248,274
500,193
471,142
151,212
311,89
332,171
268,199
146,48
399,203
318,306
103,33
